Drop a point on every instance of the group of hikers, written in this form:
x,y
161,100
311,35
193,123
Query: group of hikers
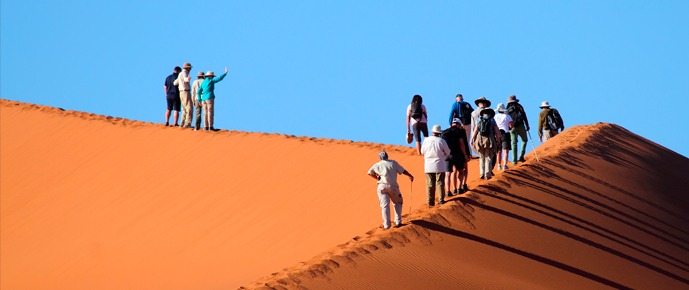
x,y
180,93
490,134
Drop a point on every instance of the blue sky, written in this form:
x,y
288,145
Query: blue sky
x,y
348,69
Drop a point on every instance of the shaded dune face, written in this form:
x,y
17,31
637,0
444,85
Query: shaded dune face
x,y
97,202
601,208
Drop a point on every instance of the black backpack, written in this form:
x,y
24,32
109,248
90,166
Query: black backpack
x,y
517,114
465,111
416,110
485,127
553,120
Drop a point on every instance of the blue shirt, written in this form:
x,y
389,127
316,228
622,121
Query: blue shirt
x,y
172,90
207,88
456,109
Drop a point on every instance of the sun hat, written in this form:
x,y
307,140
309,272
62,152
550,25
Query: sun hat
x,y
512,99
200,74
456,121
500,108
436,129
482,100
383,155
210,73
488,111
545,105
187,65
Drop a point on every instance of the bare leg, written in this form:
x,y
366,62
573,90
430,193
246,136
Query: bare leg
x,y
418,147
167,116
176,117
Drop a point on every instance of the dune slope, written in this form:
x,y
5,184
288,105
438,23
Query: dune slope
x,y
600,208
96,202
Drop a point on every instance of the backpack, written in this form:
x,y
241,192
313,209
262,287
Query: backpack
x,y
553,120
465,111
485,128
416,110
517,114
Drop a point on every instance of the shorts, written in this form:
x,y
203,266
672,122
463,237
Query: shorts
x,y
506,140
173,103
418,126
453,161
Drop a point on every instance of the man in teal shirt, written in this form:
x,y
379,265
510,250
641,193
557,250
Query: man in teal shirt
x,y
206,96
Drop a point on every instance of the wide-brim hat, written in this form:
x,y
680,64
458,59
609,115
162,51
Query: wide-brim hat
x,y
501,108
210,73
186,65
545,105
512,99
482,100
436,129
200,74
488,111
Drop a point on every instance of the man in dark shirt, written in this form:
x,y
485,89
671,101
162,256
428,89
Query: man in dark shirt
x,y
172,96
455,164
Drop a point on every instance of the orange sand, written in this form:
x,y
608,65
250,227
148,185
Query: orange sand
x,y
93,202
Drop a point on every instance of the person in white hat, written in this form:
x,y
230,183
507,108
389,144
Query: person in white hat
x,y
385,172
435,151
504,122
183,82
549,122
206,94
197,101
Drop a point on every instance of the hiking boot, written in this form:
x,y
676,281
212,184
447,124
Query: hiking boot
x,y
441,202
397,225
521,159
167,124
449,193
205,128
504,167
457,191
499,167
465,188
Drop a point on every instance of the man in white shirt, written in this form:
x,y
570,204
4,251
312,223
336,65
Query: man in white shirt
x,y
385,171
435,151
195,100
504,122
182,82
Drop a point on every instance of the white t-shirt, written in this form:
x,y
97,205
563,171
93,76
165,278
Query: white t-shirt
x,y
413,121
434,150
503,121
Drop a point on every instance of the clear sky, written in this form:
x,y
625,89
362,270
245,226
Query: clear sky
x,y
348,69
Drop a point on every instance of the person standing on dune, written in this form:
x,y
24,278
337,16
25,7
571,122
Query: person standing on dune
x,y
519,129
435,151
417,120
206,94
172,96
455,164
183,83
504,122
197,103
386,171
485,140
549,122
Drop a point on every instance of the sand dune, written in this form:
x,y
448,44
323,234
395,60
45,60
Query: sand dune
x,y
603,208
95,202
